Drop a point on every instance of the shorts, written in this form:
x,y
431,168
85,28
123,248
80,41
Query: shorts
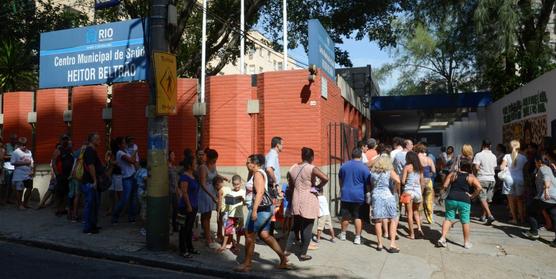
x,y
232,225
263,220
351,210
74,188
463,208
415,196
25,184
117,183
514,189
324,222
488,191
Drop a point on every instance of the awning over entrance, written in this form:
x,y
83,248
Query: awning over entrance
x,y
399,115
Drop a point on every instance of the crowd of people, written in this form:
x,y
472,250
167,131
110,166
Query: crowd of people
x,y
382,181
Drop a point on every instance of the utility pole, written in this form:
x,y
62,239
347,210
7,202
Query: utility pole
x,y
285,30
157,185
242,34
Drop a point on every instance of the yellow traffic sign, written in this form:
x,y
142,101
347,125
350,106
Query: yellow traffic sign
x,y
166,83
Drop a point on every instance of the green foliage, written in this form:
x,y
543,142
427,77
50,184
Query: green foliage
x,y
223,20
434,52
513,42
342,19
23,21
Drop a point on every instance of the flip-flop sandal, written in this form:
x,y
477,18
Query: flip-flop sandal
x,y
305,258
394,250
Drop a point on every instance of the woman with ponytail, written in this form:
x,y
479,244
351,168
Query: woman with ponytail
x,y
513,182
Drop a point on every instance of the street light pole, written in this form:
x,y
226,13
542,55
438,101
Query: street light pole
x,y
157,146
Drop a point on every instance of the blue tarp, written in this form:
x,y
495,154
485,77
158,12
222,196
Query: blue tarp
x,y
436,101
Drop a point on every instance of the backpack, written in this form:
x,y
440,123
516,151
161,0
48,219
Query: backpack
x,y
78,169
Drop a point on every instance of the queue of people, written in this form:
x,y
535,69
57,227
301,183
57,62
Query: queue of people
x,y
394,180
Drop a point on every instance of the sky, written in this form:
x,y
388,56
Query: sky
x,y
362,53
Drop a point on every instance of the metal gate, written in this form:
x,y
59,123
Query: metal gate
x,y
342,138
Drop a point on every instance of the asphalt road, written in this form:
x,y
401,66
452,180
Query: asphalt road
x,y
20,261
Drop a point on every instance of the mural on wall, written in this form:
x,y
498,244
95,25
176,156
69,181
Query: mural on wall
x,y
531,130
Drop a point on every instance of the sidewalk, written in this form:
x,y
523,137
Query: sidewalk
x,y
499,251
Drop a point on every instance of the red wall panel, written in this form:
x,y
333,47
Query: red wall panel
x,y
51,104
182,127
17,105
87,105
129,101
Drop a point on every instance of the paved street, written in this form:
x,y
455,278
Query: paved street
x,y
20,261
499,252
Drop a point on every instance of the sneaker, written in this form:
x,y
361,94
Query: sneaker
x,y
530,235
315,239
342,236
357,240
490,220
468,245
441,243
553,243
483,219
333,240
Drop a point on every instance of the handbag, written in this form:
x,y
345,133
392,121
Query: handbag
x,y
503,174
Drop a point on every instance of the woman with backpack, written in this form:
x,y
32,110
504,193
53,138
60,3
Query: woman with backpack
x,y
258,218
464,187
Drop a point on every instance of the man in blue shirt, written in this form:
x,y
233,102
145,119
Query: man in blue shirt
x,y
354,177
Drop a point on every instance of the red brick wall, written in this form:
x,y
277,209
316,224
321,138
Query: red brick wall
x,y
286,99
51,104
229,124
17,105
87,105
129,101
182,127
332,111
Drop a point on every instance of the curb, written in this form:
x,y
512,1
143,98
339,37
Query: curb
x,y
128,259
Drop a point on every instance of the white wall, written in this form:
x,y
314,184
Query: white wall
x,y
468,130
495,117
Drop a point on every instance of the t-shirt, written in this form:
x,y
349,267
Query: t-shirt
x,y
22,173
545,174
323,206
354,176
371,154
65,161
90,157
399,162
273,162
10,148
395,152
236,209
192,191
486,161
127,169
517,170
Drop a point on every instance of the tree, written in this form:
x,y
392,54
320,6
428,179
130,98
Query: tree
x,y
23,21
514,42
342,19
223,35
434,51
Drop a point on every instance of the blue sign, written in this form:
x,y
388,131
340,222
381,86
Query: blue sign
x,y
321,49
103,4
106,53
